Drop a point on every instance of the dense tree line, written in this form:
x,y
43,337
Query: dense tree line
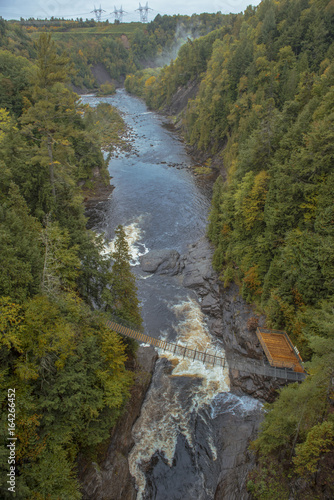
x,y
264,109
147,46
144,45
57,284
158,85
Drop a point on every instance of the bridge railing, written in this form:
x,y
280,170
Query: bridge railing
x,y
268,371
124,322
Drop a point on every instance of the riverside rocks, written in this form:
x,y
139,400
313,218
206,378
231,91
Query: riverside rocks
x,y
228,313
228,319
229,316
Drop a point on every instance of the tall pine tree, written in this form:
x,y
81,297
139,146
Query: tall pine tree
x,y
123,286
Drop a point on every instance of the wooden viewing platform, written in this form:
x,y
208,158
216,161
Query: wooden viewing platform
x,y
279,349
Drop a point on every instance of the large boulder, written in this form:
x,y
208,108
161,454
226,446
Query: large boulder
x,y
161,262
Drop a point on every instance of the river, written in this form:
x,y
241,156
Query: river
x,y
181,443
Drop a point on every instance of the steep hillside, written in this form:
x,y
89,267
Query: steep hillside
x,y
120,48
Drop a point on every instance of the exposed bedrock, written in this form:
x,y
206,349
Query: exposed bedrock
x,y
224,475
228,314
229,317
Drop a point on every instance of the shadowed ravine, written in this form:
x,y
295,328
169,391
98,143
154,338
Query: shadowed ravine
x,y
191,437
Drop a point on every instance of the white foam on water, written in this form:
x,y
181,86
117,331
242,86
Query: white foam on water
x,y
169,405
156,430
144,277
193,333
228,402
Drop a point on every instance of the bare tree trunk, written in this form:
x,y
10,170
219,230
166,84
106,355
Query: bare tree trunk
x,y
51,169
45,240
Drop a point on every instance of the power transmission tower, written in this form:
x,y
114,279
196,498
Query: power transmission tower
x,y
143,12
98,13
118,13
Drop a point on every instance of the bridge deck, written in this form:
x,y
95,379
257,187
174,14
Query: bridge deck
x,y
177,349
205,357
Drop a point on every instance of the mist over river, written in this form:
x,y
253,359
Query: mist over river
x,y
191,427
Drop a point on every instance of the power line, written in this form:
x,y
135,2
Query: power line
x,y
100,14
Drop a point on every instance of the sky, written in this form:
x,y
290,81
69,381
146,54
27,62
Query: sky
x,y
14,9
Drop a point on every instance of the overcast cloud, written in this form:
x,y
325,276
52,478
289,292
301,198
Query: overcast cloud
x,y
14,9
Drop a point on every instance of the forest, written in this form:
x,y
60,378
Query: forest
x,y
64,375
122,48
263,118
263,115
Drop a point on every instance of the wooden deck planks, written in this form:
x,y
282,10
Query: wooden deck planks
x,y
278,349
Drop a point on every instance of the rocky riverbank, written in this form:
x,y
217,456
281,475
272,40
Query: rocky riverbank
x,y
230,318
213,459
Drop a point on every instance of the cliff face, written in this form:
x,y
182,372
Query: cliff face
x,y
110,479
180,99
232,320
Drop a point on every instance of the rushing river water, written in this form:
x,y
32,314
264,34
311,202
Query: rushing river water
x,y
178,450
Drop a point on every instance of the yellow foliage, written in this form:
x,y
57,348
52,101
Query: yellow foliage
x,y
11,318
243,84
254,203
6,123
319,442
252,280
150,81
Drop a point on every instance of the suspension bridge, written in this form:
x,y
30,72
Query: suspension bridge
x,y
252,366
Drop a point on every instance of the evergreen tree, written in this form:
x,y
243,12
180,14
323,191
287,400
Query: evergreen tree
x,y
123,287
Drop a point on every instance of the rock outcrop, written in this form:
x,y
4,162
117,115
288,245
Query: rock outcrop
x,y
181,97
229,319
